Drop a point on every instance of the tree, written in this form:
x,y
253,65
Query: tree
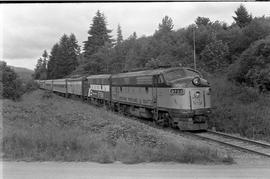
x,y
100,61
45,55
204,35
253,66
98,35
54,55
43,72
214,56
37,69
119,39
74,52
67,56
40,71
202,21
153,63
166,25
64,57
11,85
257,29
242,17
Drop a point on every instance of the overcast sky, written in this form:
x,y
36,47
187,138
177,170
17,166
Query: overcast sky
x,y
28,29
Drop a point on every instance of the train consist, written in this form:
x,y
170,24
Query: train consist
x,y
175,97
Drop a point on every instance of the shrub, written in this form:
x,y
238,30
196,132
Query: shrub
x,y
30,86
11,85
239,109
253,66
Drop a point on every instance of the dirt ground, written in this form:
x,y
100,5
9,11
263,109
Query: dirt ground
x,y
258,168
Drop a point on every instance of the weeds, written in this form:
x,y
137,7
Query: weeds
x,y
60,129
239,109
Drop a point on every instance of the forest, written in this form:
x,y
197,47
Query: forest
x,y
240,50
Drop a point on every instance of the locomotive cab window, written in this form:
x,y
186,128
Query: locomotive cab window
x,y
160,79
180,73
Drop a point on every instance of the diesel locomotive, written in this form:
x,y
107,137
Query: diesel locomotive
x,y
177,97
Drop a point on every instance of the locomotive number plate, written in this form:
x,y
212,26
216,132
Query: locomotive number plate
x,y
177,91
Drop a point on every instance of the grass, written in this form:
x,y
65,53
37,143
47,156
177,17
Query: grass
x,y
240,110
46,127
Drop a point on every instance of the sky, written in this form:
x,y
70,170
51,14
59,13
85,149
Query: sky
x,y
26,30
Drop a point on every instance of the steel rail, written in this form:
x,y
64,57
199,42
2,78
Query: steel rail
x,y
266,145
232,145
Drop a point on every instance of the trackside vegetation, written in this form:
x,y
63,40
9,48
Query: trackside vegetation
x,y
46,127
239,109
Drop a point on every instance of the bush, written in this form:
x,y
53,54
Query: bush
x,y
240,109
30,86
253,66
11,85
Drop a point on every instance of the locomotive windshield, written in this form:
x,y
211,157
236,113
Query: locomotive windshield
x,y
180,73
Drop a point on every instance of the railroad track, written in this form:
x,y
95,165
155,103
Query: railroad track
x,y
239,143
243,144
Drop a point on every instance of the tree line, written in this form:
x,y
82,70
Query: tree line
x,y
240,49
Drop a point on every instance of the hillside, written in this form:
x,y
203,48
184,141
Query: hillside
x,y
24,73
45,127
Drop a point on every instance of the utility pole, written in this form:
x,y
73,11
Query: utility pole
x,y
194,48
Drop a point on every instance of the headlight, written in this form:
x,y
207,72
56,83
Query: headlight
x,y
197,94
196,81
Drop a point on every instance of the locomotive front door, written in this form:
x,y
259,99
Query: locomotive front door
x,y
197,99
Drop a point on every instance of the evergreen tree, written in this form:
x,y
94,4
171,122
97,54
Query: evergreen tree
x,y
119,39
242,17
67,59
40,72
52,66
45,55
166,25
98,35
43,70
74,52
37,69
64,57
134,35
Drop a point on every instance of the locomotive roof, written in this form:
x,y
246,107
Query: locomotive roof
x,y
103,76
59,79
75,79
145,72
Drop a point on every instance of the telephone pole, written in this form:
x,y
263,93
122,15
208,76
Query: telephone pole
x,y
194,48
